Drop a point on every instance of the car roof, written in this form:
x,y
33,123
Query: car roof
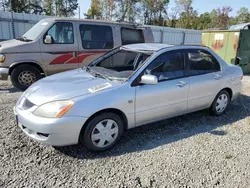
x,y
154,47
146,47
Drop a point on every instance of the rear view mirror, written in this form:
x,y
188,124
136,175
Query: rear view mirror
x,y
149,79
48,39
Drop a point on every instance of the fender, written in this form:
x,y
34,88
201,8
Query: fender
x,y
27,62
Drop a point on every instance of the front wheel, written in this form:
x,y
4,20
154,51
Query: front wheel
x,y
24,75
102,132
220,103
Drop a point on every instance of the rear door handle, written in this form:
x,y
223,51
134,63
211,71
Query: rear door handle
x,y
217,76
75,54
181,83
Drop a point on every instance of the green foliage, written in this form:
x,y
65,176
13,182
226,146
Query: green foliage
x,y
49,7
95,10
243,15
65,8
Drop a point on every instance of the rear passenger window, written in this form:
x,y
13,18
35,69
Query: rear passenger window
x,y
131,36
201,62
169,65
96,37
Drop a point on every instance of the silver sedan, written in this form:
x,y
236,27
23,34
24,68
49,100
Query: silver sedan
x,y
127,87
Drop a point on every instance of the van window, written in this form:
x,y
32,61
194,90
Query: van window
x,y
120,61
96,37
62,33
130,36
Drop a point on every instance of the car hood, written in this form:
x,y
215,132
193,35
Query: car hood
x,y
14,46
66,85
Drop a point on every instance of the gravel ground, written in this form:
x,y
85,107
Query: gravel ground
x,y
194,150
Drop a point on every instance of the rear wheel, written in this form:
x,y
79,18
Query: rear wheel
x,y
102,132
220,103
24,75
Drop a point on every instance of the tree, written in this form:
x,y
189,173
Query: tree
x,y
243,15
223,16
188,17
48,6
18,6
155,10
214,18
107,9
35,7
66,8
173,14
3,5
95,10
204,21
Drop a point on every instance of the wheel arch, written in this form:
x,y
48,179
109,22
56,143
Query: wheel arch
x,y
34,64
230,92
112,110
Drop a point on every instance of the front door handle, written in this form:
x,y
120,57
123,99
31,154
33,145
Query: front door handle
x,y
181,83
217,76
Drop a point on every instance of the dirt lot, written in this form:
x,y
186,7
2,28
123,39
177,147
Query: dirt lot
x,y
195,150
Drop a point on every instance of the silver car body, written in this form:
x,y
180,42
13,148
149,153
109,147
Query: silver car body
x,y
139,104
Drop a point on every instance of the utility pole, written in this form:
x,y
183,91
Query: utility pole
x,y
79,11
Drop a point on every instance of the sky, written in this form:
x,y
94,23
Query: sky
x,y
199,5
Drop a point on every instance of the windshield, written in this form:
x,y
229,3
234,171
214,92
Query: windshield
x,y
35,31
118,65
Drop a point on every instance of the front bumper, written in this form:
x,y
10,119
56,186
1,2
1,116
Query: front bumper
x,y
51,131
4,73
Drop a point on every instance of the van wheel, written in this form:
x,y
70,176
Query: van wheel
x,y
24,75
220,103
102,132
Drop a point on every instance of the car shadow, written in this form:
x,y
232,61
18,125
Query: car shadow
x,y
10,90
157,134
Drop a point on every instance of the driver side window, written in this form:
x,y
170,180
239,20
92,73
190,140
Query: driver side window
x,y
167,66
62,33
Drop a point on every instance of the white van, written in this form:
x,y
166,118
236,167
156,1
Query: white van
x,y
58,44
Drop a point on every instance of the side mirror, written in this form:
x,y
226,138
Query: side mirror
x,y
149,79
48,39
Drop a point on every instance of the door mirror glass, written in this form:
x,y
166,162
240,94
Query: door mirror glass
x,y
48,39
149,79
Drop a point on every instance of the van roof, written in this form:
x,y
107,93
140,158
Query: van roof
x,y
92,20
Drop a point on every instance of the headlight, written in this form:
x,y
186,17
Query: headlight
x,y
2,58
54,109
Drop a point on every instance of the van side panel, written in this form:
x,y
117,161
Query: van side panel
x,y
62,54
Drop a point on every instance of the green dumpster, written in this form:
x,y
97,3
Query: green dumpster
x,y
231,45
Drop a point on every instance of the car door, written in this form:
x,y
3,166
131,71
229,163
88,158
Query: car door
x,y
61,55
168,98
205,78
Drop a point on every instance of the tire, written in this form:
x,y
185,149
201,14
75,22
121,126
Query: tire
x,y
218,108
24,75
89,137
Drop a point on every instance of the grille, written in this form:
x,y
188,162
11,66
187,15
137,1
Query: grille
x,y
27,104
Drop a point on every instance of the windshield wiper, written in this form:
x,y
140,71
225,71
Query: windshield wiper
x,y
22,38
